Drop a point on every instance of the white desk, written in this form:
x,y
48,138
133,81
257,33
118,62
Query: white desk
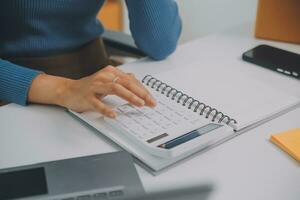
x,y
247,167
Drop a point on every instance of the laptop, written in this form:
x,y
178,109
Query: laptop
x,y
199,192
104,176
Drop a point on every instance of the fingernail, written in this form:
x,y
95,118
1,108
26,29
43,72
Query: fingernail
x,y
112,115
151,100
139,101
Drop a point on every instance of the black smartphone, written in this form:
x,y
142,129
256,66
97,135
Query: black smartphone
x,y
284,62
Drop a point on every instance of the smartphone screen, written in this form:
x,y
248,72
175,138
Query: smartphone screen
x,y
279,60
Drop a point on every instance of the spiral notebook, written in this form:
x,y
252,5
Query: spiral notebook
x,y
182,124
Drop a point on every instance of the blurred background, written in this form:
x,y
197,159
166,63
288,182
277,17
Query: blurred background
x,y
200,17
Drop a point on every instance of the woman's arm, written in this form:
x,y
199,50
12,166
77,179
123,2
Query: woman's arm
x,y
21,85
155,26
15,82
86,93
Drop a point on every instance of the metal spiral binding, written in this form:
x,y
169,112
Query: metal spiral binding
x,y
190,102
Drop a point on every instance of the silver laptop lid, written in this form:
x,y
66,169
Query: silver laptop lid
x,y
110,175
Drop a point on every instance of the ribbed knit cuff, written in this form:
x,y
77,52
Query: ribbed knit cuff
x,y
15,82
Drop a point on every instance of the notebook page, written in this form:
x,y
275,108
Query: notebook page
x,y
228,89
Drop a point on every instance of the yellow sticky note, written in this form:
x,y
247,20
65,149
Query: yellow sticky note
x,y
289,141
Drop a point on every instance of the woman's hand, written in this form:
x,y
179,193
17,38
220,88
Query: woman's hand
x,y
85,94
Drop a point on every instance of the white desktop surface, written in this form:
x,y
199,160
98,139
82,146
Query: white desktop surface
x,y
246,167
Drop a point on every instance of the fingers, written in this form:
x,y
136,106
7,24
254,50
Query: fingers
x,y
138,91
150,101
130,82
104,76
121,91
104,109
87,92
114,70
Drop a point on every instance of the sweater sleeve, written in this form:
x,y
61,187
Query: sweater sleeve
x,y
155,26
15,82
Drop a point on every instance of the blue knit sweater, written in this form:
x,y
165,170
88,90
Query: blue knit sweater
x,y
48,27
